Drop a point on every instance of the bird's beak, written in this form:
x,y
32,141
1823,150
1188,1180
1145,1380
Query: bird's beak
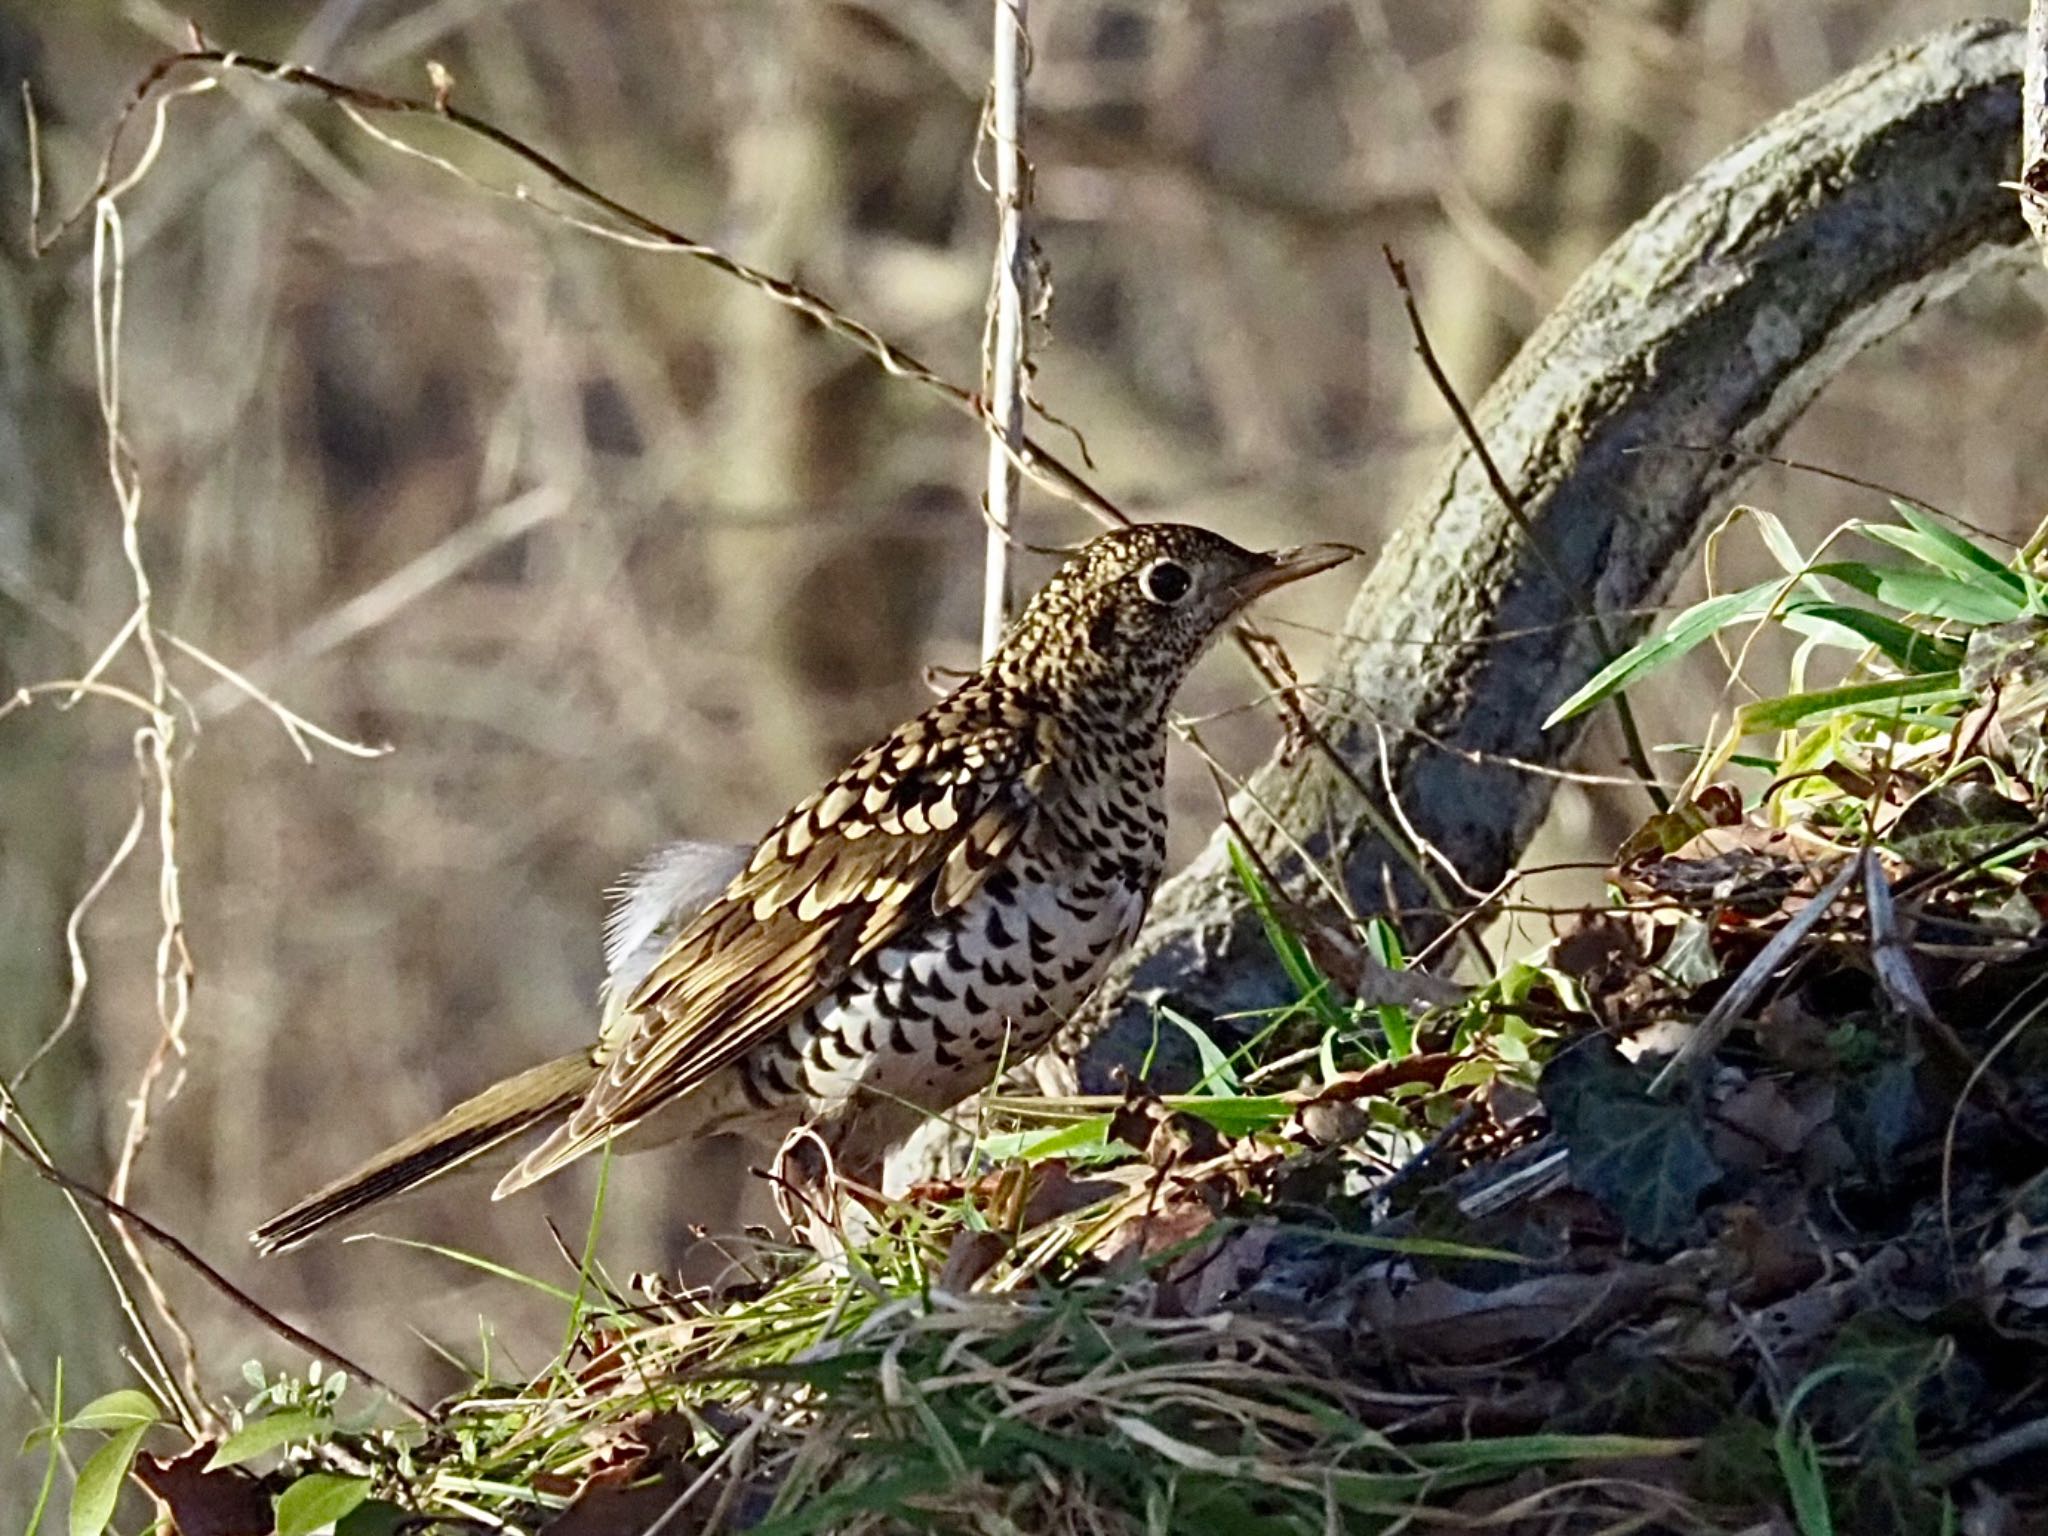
x,y
1285,565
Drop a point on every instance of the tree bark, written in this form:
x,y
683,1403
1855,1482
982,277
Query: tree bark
x,y
1713,321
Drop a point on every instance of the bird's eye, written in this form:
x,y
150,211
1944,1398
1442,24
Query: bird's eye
x,y
1165,581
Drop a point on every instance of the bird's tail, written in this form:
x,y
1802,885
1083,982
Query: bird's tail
x,y
523,1102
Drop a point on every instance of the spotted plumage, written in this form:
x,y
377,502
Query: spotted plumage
x,y
939,907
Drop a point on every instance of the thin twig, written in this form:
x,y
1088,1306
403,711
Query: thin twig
x,y
2003,1446
156,1369
618,222
382,602
1824,472
156,745
1008,340
1511,503
157,749
1708,1034
126,1216
1301,728
2033,183
74,942
622,224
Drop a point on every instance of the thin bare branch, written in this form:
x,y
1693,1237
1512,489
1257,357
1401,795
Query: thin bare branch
x,y
154,1367
1007,341
125,1217
1511,503
613,220
2033,182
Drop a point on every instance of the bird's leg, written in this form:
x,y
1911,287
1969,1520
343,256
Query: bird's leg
x,y
820,1192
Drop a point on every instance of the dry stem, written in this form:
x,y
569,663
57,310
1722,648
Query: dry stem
x,y
1007,340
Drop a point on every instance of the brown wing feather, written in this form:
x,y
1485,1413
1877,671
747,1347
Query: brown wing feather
x,y
910,829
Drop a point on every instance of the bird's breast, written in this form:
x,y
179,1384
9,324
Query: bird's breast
x,y
929,1020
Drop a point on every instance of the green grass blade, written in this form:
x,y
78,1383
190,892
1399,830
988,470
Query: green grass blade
x,y
1396,1023
1242,1114
1912,590
472,1261
1503,1451
1083,1139
604,1179
1956,554
1901,644
1406,1247
1923,690
1681,635
35,1515
1218,1075
1303,974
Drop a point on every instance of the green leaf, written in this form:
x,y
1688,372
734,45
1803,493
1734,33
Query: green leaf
x,y
1799,1465
1911,590
1956,824
373,1517
1237,1115
1955,554
1395,1022
1218,1075
1306,977
318,1500
1084,1139
267,1434
1901,644
1923,690
99,1481
1645,1159
117,1410
1683,633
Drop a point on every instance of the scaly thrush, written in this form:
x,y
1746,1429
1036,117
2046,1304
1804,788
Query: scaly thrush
x,y
937,909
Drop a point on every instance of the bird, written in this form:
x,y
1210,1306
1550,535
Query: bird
x,y
938,909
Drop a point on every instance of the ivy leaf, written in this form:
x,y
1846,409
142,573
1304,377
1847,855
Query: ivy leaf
x,y
318,1500
1876,1111
99,1481
1951,824
1645,1159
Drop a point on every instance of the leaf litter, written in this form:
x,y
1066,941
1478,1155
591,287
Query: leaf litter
x,y
1725,1213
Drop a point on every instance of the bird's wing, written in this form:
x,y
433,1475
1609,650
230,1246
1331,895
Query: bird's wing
x,y
909,831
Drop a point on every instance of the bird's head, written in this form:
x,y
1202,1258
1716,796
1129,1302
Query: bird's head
x,y
1116,629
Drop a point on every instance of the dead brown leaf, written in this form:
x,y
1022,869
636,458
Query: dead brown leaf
x,y
1436,1320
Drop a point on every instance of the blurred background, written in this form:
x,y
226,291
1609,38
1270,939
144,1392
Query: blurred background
x,y
608,550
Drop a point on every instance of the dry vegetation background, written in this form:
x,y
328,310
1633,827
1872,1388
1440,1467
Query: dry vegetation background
x,y
610,551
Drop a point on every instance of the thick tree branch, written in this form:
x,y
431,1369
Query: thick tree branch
x,y
1715,320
